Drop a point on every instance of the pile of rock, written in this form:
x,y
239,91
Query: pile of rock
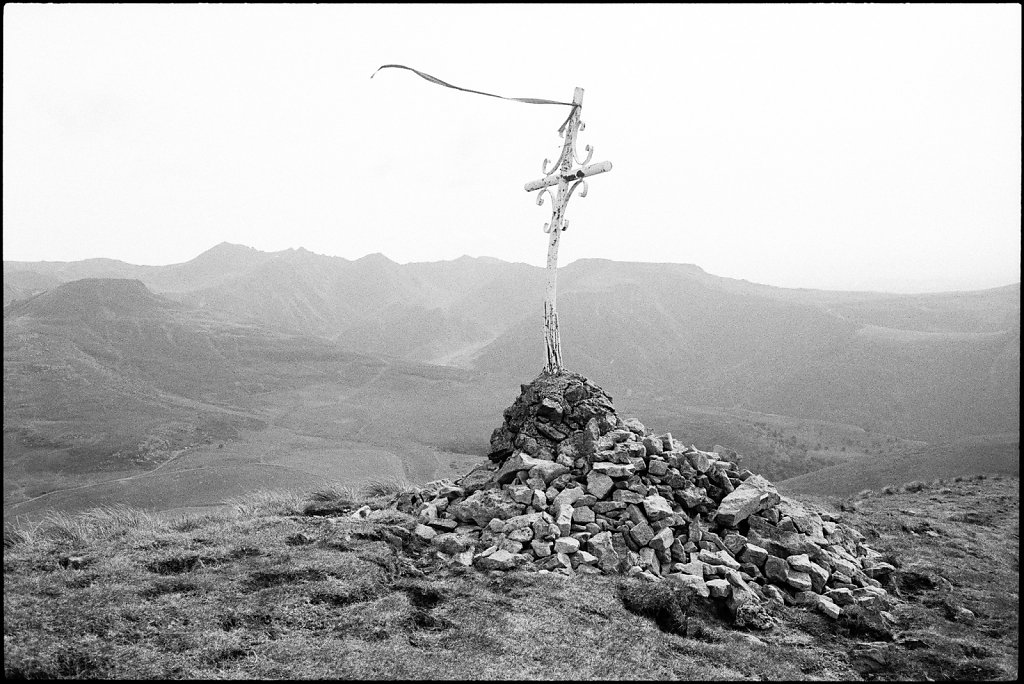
x,y
573,488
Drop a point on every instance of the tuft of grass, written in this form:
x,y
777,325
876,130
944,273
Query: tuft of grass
x,y
267,503
20,531
664,602
384,488
82,528
334,493
190,523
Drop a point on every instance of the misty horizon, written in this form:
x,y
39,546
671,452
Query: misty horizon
x,y
883,285
840,147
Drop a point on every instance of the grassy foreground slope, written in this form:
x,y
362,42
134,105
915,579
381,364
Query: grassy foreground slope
x,y
294,587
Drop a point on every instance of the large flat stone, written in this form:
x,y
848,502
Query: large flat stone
x,y
753,495
499,560
614,469
699,586
485,505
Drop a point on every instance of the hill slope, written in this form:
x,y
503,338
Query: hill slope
x,y
932,367
302,360
964,457
296,589
105,381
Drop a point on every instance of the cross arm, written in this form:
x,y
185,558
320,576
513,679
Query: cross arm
x,y
554,178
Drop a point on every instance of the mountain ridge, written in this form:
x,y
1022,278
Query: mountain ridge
x,y
307,360
73,269
671,330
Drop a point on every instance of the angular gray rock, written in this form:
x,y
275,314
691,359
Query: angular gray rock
x,y
657,507
599,484
451,543
753,495
499,560
485,505
642,534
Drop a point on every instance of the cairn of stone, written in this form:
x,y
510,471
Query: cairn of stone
x,y
574,489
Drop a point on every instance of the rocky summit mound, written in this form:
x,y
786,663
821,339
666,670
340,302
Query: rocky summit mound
x,y
572,488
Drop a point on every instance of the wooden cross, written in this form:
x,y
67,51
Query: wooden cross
x,y
562,174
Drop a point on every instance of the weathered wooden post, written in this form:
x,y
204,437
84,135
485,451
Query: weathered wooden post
x,y
562,174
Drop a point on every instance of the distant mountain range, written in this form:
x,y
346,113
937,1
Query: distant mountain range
x,y
924,366
294,368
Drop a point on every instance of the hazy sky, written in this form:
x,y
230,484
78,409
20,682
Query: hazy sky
x,y
831,146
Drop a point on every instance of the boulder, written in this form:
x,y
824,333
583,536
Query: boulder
x,y
452,544
800,562
599,484
603,548
541,549
548,471
779,542
657,507
718,558
841,597
779,571
826,606
819,577
498,560
697,584
478,478
635,426
691,496
627,496
566,545
753,495
657,468
642,534
567,496
735,543
614,469
563,519
485,505
583,515
662,540
653,446
742,596
698,460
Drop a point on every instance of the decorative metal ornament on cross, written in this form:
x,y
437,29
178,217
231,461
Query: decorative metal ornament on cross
x,y
567,179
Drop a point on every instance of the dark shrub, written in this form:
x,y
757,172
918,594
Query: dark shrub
x,y
662,602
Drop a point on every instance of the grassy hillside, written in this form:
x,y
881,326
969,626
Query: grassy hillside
x,y
934,366
964,457
663,330
112,393
305,366
294,587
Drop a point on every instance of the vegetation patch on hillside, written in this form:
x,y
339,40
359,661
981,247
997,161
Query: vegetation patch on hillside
x,y
312,587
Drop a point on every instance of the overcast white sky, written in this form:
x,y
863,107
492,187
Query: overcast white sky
x,y
829,146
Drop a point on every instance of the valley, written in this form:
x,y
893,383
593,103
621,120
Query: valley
x,y
173,387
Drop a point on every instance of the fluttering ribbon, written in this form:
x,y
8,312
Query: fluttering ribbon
x,y
527,100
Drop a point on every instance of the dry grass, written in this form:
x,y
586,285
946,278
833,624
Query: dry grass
x,y
267,593
383,488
